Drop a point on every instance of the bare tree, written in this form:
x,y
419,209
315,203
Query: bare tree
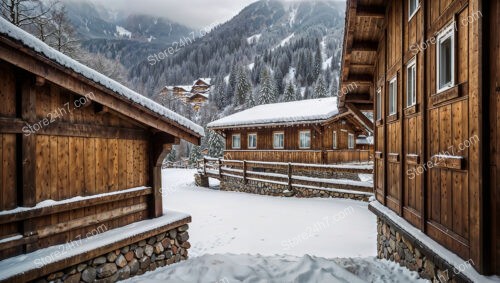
x,y
25,12
62,35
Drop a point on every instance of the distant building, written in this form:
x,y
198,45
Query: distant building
x,y
307,131
196,94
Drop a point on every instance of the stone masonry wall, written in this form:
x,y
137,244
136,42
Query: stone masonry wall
x,y
393,246
229,183
135,259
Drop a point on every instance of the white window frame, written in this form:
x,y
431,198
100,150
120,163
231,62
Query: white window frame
x,y
334,139
447,33
274,140
410,14
350,141
300,140
411,67
232,141
393,96
248,140
379,104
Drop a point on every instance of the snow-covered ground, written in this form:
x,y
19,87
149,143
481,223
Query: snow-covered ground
x,y
240,237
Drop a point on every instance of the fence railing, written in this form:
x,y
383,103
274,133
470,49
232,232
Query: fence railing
x,y
339,176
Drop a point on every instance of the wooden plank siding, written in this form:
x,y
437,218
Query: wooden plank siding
x,y
78,152
321,150
445,202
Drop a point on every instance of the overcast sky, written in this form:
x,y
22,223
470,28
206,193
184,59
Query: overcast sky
x,y
193,13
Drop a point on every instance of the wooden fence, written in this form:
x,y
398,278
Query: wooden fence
x,y
291,174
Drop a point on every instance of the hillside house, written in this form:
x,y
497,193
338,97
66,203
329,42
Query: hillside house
x,y
195,95
430,71
307,131
80,170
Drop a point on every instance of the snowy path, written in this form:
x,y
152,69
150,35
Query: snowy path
x,y
256,238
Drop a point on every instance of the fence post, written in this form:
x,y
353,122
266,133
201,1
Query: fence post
x,y
204,166
290,176
220,168
244,171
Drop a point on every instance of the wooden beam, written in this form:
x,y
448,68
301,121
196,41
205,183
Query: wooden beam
x,y
28,113
368,46
371,11
19,126
160,148
30,61
58,208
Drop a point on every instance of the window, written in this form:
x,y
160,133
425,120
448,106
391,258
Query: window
x,y
379,104
413,6
236,141
350,141
305,139
252,141
334,139
446,59
279,140
393,96
411,83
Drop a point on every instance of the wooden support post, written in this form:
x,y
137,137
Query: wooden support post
x,y
204,166
290,176
159,150
28,160
220,168
28,114
245,171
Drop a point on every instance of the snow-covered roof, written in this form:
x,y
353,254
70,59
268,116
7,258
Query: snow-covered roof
x,y
43,49
187,88
312,110
205,80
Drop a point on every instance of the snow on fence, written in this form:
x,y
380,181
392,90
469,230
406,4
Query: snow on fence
x,y
320,176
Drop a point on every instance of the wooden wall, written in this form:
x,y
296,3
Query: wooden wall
x,y
85,151
494,102
446,196
321,150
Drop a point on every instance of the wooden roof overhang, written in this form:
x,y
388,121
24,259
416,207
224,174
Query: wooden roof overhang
x,y
364,25
15,53
359,120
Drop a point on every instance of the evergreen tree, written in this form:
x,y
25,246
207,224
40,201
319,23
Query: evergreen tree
x,y
243,87
215,144
172,156
320,88
318,61
290,94
278,77
267,89
195,154
334,89
298,93
251,100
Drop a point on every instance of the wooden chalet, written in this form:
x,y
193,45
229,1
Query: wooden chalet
x,y
196,95
307,131
77,150
429,69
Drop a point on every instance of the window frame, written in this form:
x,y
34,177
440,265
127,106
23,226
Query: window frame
x,y
410,14
446,33
279,133
412,64
393,81
232,141
334,140
379,104
248,140
350,139
310,139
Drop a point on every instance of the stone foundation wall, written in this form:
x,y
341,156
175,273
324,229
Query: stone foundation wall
x,y
393,246
135,259
275,189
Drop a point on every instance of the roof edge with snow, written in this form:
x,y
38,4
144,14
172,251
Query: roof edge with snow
x,y
15,36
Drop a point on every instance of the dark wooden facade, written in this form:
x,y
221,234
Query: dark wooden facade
x,y
321,150
436,161
52,148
